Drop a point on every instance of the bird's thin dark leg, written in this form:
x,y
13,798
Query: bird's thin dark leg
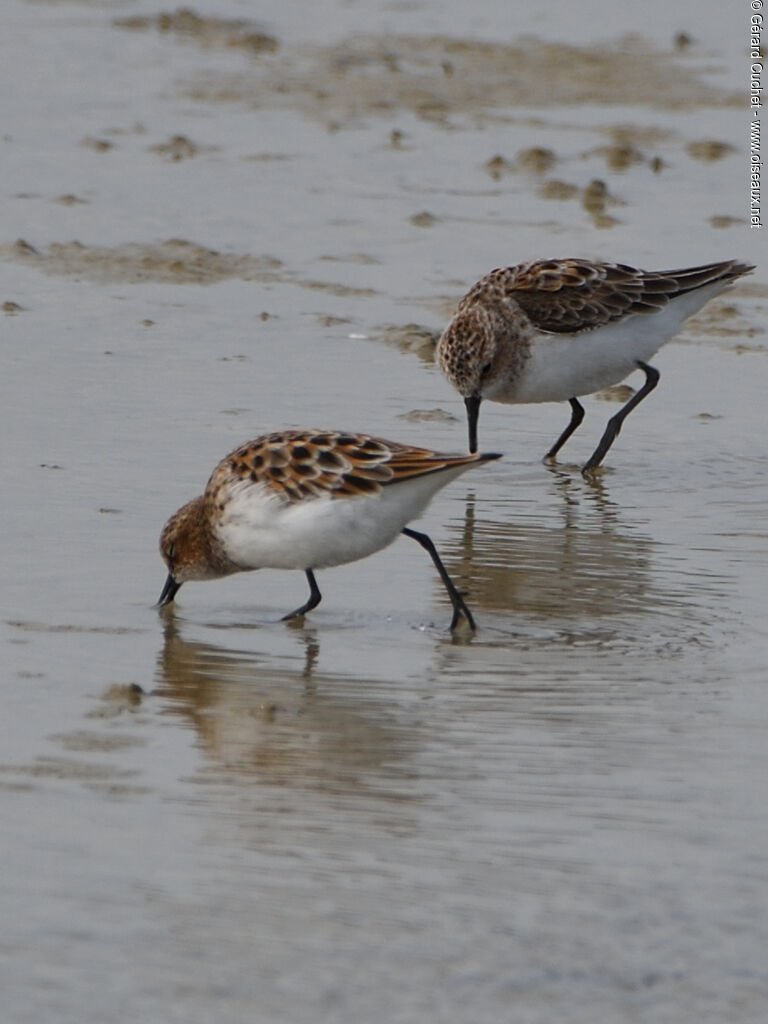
x,y
614,423
459,608
314,598
577,415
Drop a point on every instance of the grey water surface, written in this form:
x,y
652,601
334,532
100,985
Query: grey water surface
x,y
241,217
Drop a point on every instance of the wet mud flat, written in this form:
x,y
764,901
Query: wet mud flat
x,y
226,225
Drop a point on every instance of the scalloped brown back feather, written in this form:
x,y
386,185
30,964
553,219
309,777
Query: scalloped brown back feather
x,y
301,464
570,295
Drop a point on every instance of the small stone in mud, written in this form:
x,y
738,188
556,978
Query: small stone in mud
x,y
555,189
621,155
70,200
99,145
536,159
428,416
12,308
424,220
117,698
497,166
178,147
22,248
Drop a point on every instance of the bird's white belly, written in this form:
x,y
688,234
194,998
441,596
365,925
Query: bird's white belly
x,y
562,366
258,532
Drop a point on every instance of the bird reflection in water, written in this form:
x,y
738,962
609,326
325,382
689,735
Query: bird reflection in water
x,y
571,558
276,717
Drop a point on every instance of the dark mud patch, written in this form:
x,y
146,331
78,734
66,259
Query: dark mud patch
x,y
425,219
71,770
117,700
709,150
438,78
410,338
559,190
180,147
725,221
70,200
186,25
175,261
28,626
87,741
340,291
429,416
96,144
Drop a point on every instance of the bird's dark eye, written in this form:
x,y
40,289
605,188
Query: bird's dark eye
x,y
485,370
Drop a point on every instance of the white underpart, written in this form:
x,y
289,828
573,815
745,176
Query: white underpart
x,y
563,366
260,530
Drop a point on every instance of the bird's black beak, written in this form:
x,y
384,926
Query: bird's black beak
x,y
472,402
170,590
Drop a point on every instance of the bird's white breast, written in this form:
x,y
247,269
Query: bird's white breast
x,y
260,530
562,366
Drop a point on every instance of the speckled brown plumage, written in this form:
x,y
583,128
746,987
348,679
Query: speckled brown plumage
x,y
308,499
555,330
300,464
570,295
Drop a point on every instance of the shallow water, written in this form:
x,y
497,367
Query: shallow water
x,y
209,812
